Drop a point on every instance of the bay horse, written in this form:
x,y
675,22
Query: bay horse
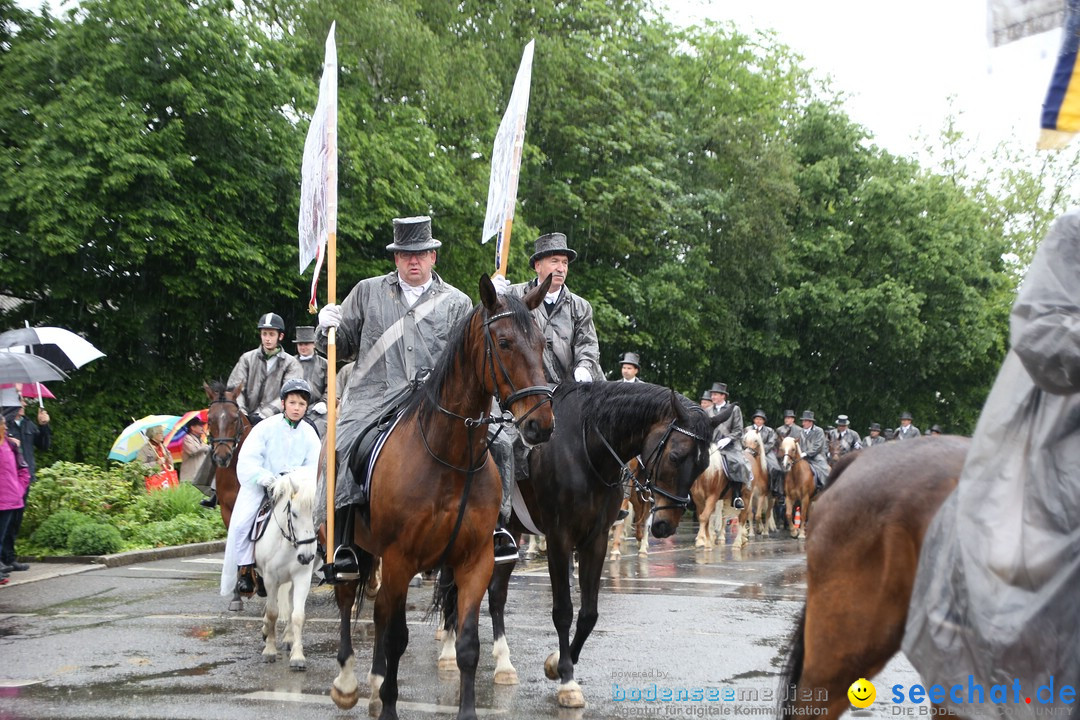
x,y
573,492
228,428
760,507
283,557
711,490
435,493
799,485
861,558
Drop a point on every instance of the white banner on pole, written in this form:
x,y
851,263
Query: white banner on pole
x,y
1010,20
506,155
318,188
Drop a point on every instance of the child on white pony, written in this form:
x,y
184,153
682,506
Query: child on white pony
x,y
278,445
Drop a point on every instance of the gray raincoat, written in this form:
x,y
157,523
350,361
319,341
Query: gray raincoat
x,y
570,334
812,446
262,388
995,597
315,372
390,341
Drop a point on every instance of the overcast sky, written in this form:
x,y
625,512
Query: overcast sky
x,y
900,62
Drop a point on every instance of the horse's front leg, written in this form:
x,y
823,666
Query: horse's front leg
x,y
391,637
642,523
498,588
590,568
472,582
285,610
269,626
301,586
344,689
559,665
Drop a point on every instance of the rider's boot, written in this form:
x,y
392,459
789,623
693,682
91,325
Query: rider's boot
x,y
738,503
210,502
345,564
245,580
506,550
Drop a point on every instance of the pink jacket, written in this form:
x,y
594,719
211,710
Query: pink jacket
x,y
14,476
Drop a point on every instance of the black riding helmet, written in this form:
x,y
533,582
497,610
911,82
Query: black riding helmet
x,y
296,385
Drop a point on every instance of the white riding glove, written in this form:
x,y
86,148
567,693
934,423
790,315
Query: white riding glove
x,y
501,284
724,442
582,374
319,408
330,316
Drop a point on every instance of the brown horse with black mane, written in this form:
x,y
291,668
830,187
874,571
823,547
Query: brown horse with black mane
x,y
435,494
861,558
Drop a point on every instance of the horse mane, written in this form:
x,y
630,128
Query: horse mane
x,y
300,485
792,443
629,409
427,397
217,387
752,434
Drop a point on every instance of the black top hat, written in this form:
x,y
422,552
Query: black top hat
x,y
413,234
906,416
789,413
761,414
305,334
551,244
719,387
808,415
875,426
842,420
935,429
631,359
706,395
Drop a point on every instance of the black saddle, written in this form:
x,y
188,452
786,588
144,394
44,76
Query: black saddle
x,y
364,447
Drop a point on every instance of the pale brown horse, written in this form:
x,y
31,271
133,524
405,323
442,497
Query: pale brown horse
x,y
710,492
640,502
861,558
435,493
761,502
228,427
799,486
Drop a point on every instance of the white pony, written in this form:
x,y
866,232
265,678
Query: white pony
x,y
283,557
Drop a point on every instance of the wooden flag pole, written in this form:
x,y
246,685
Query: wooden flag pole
x,y
331,390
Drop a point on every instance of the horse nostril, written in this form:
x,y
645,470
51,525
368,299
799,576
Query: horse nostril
x,y
661,529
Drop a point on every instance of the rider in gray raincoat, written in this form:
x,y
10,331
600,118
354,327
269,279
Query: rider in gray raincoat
x,y
995,598
812,445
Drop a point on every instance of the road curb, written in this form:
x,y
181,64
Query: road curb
x,y
133,556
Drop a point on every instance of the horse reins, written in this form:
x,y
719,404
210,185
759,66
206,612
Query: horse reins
x,y
290,535
235,440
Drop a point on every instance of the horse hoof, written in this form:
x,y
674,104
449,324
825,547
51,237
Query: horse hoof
x,y
374,706
440,634
506,677
299,664
643,552
269,657
448,664
551,666
615,554
236,606
571,697
345,701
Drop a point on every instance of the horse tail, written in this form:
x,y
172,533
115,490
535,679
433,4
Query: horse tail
x,y
793,667
365,562
445,600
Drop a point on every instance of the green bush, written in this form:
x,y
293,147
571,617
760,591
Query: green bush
x,y
54,532
168,503
88,489
180,530
95,539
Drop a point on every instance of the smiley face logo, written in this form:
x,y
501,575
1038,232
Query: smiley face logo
x,y
862,693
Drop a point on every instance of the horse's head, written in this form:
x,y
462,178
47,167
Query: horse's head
x,y
294,510
789,448
224,421
512,359
752,444
676,452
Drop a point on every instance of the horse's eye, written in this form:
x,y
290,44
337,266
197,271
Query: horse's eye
x,y
675,458
504,344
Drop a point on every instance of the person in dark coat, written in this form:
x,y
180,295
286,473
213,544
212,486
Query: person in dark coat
x,y
29,437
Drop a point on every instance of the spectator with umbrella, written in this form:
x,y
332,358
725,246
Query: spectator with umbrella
x,y
14,480
28,436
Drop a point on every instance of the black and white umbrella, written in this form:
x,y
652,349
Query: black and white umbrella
x,y
61,347
19,367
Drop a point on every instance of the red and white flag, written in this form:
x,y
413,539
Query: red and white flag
x,y
318,188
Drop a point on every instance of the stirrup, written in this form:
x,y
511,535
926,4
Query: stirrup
x,y
506,550
738,503
344,568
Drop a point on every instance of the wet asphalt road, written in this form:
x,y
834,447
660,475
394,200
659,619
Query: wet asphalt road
x,y
155,640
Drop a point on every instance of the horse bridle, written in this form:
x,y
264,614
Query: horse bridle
x,y
648,486
515,394
234,441
290,534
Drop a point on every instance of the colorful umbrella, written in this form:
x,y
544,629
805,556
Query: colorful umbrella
x,y
30,390
127,445
174,436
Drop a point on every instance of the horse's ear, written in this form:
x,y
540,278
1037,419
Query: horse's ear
x,y
680,411
236,390
536,296
488,296
209,392
724,414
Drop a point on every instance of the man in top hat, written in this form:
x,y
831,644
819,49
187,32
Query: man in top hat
x,y
315,372
843,438
565,319
875,437
263,371
393,325
768,446
935,429
812,445
728,438
906,431
630,365
706,402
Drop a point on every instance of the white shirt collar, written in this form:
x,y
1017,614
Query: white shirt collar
x,y
413,293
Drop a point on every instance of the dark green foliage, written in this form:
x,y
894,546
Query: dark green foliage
x,y
54,532
170,503
179,530
94,539
89,489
